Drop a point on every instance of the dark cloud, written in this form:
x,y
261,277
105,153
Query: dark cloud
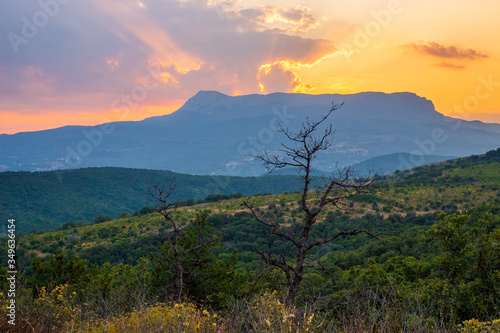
x,y
441,51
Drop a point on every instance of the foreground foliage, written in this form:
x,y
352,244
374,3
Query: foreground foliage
x,y
427,279
183,317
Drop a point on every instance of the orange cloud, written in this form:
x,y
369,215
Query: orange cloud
x,y
441,51
281,76
113,63
450,65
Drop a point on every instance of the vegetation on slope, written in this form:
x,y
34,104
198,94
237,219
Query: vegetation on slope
x,y
430,272
46,200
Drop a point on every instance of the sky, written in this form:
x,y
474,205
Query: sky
x,y
73,62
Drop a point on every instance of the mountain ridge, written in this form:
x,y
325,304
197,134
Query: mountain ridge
x,y
214,133
204,93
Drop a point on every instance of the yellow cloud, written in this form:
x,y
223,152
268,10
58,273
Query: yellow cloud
x,y
167,77
297,19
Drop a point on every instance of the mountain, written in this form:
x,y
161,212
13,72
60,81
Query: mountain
x,y
213,133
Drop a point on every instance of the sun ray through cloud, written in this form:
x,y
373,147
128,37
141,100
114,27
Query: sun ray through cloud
x,y
93,52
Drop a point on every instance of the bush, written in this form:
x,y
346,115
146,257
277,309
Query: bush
x,y
146,210
102,219
474,325
268,314
54,311
183,317
68,225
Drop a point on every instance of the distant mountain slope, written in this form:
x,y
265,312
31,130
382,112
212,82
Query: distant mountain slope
x,y
46,200
380,165
399,161
476,170
213,133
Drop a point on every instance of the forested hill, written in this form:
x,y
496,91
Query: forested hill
x,y
480,169
46,200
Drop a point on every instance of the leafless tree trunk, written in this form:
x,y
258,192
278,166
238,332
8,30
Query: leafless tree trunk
x,y
165,205
178,238
304,148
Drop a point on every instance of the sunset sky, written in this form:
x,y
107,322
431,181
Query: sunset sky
x,y
69,62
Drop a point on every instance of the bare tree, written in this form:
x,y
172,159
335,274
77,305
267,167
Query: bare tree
x,y
305,146
179,242
162,195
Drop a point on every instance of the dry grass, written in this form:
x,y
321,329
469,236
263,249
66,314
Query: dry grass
x,y
374,311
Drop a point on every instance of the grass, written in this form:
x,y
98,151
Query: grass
x,y
56,312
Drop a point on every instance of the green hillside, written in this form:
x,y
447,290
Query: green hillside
x,y
388,163
46,200
477,168
415,195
